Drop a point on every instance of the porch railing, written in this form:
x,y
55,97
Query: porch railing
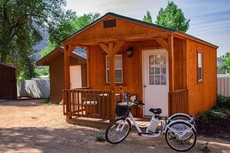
x,y
87,103
178,101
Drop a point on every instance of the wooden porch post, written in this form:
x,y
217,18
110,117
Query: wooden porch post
x,y
88,67
67,52
171,73
169,47
112,50
111,67
171,64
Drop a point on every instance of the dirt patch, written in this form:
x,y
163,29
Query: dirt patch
x,y
31,126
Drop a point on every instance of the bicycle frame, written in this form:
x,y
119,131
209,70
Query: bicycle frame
x,y
164,125
178,128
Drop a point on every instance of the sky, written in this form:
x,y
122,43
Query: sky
x,y
209,19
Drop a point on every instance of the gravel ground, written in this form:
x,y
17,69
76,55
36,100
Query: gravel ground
x,y
29,126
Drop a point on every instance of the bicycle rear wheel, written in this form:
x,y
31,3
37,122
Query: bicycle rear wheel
x,y
180,136
180,117
118,130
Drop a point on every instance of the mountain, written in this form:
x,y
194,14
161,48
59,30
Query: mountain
x,y
41,45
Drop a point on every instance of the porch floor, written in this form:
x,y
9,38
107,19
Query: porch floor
x,y
101,123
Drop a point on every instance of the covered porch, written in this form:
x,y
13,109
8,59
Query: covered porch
x,y
112,37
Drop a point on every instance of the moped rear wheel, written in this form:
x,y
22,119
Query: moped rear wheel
x,y
118,130
180,136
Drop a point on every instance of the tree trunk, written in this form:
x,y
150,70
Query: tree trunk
x,y
3,54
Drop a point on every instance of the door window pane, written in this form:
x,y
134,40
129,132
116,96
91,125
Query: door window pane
x,y
163,69
157,80
157,69
163,79
151,79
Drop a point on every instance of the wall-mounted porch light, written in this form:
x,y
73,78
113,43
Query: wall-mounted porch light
x,y
129,52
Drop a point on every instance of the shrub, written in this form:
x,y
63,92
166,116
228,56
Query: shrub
x,y
223,101
209,114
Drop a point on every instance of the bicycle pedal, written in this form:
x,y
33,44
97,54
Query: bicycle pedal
x,y
140,133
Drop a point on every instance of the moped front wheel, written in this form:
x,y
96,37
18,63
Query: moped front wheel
x,y
180,136
118,130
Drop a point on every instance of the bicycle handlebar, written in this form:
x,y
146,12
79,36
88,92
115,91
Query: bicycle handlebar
x,y
126,95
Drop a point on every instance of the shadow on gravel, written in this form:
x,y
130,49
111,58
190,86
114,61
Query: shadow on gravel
x,y
48,140
77,140
22,103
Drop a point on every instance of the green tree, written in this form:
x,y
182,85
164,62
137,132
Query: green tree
x,y
226,59
172,17
67,27
21,21
73,25
148,17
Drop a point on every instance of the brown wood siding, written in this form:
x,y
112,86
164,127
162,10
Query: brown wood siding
x,y
57,78
132,69
179,63
84,75
202,96
123,28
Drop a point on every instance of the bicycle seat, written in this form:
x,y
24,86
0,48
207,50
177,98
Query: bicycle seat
x,y
155,110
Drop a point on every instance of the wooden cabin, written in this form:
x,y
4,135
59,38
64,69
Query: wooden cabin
x,y
8,82
55,61
164,67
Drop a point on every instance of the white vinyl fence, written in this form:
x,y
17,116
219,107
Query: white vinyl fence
x,y
34,88
223,85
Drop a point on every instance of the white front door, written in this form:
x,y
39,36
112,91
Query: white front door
x,y
155,80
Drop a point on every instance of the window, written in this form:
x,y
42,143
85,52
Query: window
x,y
157,69
118,69
199,66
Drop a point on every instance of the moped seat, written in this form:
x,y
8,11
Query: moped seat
x,y
155,110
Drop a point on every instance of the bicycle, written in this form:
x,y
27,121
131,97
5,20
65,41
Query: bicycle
x,y
179,129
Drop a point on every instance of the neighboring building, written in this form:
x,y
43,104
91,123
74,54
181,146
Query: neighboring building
x,y
8,82
164,67
55,61
221,63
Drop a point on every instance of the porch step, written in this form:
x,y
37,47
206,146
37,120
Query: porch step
x,y
101,123
90,122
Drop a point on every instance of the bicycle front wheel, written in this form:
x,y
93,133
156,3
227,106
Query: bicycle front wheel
x,y
180,136
118,130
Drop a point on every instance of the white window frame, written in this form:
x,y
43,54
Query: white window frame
x,y
199,66
118,67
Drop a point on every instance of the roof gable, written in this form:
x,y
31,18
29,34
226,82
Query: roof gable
x,y
78,53
6,65
124,27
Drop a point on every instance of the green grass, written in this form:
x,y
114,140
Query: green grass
x,y
47,101
100,138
